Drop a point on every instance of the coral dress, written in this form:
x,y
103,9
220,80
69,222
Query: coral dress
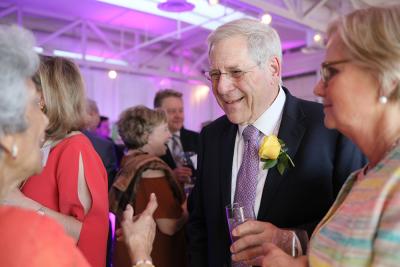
x,y
28,239
57,188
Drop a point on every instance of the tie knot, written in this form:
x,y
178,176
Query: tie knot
x,y
250,133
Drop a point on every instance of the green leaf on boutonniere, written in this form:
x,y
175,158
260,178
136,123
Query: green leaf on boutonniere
x,y
270,163
281,168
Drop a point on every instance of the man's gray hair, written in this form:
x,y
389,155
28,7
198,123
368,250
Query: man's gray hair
x,y
91,106
262,40
18,63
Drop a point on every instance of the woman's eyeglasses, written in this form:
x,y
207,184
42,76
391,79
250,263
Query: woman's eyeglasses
x,y
327,72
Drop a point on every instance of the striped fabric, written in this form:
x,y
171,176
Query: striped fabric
x,y
362,228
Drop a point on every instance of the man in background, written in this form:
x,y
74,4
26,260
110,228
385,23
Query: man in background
x,y
104,130
105,148
182,140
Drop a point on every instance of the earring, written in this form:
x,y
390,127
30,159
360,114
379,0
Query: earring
x,y
14,151
42,106
383,100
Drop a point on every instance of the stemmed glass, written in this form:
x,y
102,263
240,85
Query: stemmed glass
x,y
185,160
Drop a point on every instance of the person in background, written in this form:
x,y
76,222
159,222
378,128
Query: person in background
x,y
182,140
360,87
72,188
39,240
245,72
105,148
145,133
103,128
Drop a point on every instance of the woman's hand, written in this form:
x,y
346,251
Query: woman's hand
x,y
139,231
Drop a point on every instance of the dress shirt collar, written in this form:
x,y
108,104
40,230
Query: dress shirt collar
x,y
268,121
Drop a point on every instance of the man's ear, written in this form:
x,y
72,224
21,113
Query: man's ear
x,y
275,67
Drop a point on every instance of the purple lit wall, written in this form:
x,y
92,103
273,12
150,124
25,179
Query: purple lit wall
x,y
113,96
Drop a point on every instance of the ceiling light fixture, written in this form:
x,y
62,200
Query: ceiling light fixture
x,y
176,6
200,15
213,2
266,18
112,74
317,37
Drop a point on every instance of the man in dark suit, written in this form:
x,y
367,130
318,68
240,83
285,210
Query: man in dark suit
x,y
245,59
183,140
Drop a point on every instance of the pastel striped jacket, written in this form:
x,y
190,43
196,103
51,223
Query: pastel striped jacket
x,y
362,228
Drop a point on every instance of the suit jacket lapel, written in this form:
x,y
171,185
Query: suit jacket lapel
x,y
227,146
291,132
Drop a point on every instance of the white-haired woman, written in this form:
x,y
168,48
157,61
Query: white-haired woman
x,y
360,86
27,237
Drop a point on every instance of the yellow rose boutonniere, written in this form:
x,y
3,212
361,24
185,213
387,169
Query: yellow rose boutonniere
x,y
273,152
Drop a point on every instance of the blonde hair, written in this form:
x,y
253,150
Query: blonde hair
x,y
136,124
64,94
372,39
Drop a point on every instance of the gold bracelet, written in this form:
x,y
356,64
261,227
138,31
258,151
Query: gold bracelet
x,y
143,263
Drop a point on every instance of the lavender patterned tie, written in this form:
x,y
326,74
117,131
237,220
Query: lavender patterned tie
x,y
246,182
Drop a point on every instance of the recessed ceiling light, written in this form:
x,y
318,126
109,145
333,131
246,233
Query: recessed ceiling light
x,y
266,18
112,74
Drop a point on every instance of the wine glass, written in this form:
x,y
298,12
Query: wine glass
x,y
185,160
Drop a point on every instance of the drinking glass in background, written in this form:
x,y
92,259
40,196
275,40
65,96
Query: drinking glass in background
x,y
237,214
186,159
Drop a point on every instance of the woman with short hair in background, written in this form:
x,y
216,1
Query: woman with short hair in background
x,y
145,134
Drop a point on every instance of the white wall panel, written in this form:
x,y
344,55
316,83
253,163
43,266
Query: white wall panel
x,y
113,96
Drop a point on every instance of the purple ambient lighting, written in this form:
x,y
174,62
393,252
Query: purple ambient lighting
x,y
175,6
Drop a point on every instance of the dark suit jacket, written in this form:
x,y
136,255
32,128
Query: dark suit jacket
x,y
106,150
298,199
190,142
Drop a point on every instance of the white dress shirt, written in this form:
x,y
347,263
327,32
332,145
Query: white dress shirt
x,y
268,123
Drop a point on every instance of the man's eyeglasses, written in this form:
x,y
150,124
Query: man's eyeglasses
x,y
236,74
327,72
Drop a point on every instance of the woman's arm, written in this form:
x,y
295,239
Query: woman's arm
x,y
71,225
171,226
